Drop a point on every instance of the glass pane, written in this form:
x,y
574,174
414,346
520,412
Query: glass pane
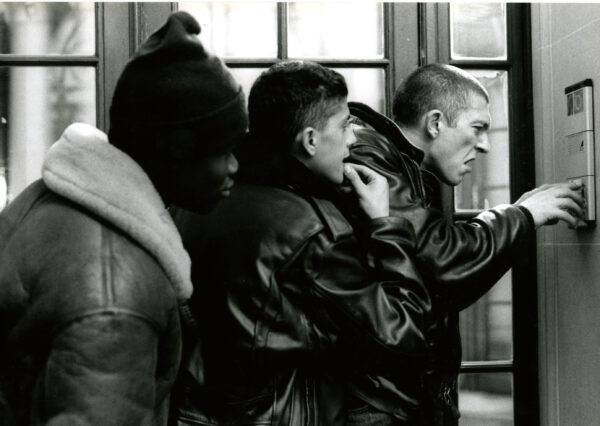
x,y
335,30
36,104
366,86
478,30
246,77
486,326
237,29
47,28
485,399
488,184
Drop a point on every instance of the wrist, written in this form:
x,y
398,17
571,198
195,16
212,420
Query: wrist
x,y
375,213
529,216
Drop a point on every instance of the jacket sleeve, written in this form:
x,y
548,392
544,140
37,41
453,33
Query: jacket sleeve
x,y
462,260
101,370
377,300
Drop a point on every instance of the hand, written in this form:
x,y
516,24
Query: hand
x,y
553,202
371,189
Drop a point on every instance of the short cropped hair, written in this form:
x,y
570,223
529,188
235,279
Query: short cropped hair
x,y
290,96
435,86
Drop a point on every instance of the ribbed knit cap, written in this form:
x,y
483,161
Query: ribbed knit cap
x,y
172,79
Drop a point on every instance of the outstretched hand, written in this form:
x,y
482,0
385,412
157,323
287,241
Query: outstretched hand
x,y
371,189
553,202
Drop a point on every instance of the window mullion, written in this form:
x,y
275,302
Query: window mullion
x,y
282,30
50,60
487,366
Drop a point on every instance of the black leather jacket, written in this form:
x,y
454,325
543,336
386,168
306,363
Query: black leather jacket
x,y
458,261
286,312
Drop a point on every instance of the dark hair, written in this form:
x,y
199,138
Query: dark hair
x,y
290,96
435,86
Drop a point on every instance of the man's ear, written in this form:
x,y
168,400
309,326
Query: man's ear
x,y
433,122
307,141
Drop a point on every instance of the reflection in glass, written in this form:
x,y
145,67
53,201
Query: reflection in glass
x,y
365,85
485,399
236,29
488,184
478,31
36,104
46,28
335,30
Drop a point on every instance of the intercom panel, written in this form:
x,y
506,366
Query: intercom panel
x,y
577,154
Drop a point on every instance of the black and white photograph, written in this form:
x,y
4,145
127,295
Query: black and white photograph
x,y
299,213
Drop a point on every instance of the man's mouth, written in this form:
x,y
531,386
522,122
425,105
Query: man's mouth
x,y
467,165
226,191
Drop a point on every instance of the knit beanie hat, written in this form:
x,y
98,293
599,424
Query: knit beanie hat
x,y
172,79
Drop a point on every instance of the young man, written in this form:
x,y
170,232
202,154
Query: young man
x,y
92,269
441,119
282,302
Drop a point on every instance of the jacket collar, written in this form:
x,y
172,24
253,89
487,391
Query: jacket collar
x,y
387,128
84,168
290,173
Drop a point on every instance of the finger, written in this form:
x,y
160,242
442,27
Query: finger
x,y
575,185
566,217
572,207
571,194
353,177
365,172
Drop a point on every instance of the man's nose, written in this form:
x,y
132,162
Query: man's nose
x,y
483,145
232,164
351,136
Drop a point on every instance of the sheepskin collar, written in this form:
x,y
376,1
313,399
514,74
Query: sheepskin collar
x,y
83,167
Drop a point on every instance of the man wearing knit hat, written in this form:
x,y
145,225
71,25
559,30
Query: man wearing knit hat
x,y
92,269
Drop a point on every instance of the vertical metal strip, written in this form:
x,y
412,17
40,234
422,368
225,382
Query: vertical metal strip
x,y
282,30
135,25
389,70
102,106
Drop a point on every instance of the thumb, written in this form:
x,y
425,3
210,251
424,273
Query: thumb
x,y
352,176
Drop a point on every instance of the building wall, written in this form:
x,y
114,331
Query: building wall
x,y
566,50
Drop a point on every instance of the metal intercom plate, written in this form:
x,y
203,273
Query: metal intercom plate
x,y
577,161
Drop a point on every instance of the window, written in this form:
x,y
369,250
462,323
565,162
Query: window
x,y
303,30
47,81
498,381
59,63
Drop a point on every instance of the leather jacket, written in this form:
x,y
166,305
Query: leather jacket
x,y
286,312
89,322
458,261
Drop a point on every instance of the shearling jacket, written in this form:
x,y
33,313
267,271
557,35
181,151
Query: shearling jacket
x,y
91,271
458,261
287,314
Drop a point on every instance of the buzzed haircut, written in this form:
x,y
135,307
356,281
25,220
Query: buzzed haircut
x,y
290,96
435,86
